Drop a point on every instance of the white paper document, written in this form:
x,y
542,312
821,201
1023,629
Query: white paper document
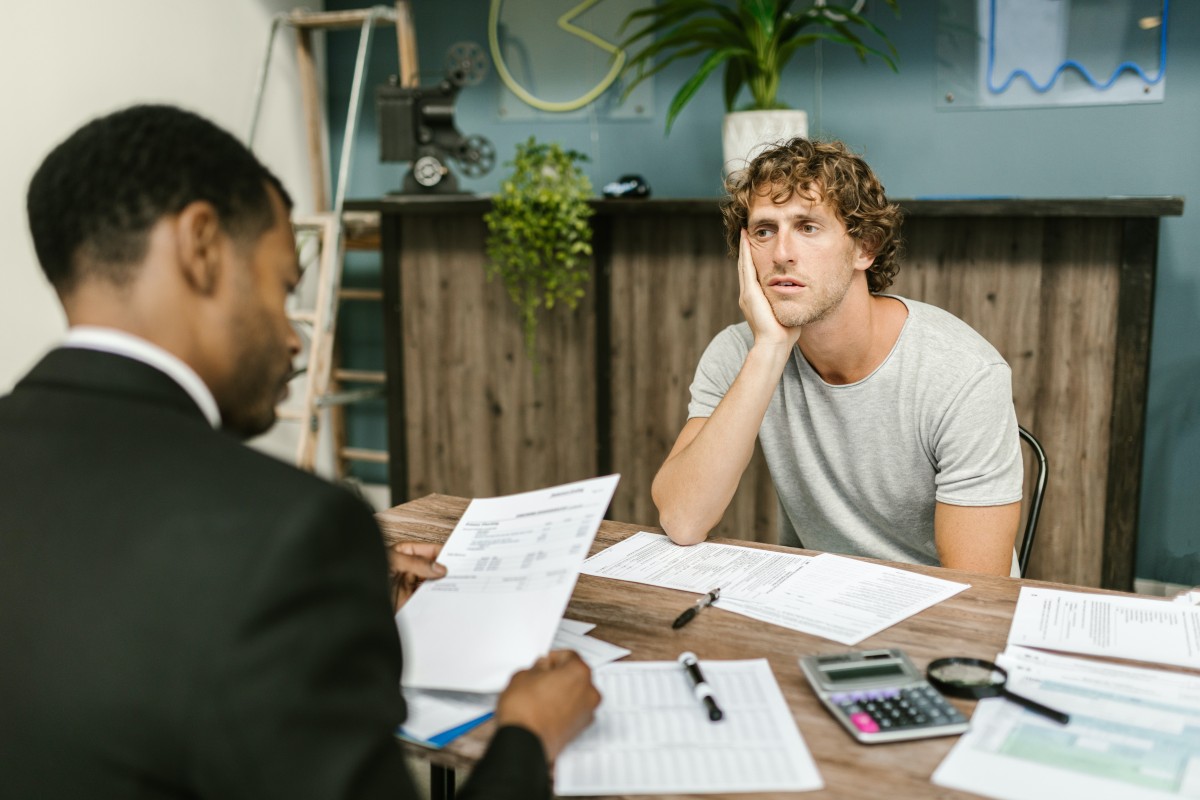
x,y
845,600
438,717
1140,629
1151,685
827,595
575,626
652,736
594,652
654,559
1134,734
511,564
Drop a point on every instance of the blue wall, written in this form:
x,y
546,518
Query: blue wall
x,y
1149,149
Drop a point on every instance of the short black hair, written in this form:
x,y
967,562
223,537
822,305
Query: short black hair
x,y
96,196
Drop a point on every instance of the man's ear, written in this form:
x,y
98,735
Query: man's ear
x,y
201,246
865,254
866,258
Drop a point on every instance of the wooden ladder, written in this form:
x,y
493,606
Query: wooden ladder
x,y
323,396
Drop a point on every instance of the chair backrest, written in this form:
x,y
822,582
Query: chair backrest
x,y
1035,502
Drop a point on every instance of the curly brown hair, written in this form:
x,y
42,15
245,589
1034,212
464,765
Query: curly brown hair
x,y
828,170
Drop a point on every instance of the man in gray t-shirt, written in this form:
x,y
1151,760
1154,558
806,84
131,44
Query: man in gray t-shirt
x,y
887,424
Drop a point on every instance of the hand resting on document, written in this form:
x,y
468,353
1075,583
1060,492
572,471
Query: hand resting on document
x,y
410,564
555,699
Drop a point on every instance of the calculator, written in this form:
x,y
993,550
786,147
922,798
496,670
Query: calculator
x,y
879,696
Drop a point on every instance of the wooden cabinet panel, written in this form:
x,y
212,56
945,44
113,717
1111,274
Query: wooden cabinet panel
x,y
673,289
477,417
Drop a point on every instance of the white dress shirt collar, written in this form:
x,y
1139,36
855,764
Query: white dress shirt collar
x,y
110,340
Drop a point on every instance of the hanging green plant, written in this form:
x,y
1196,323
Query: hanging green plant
x,y
539,239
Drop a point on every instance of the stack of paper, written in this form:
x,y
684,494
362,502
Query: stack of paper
x,y
437,717
1134,734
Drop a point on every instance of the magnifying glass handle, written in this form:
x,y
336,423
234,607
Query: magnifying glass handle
x,y
1033,705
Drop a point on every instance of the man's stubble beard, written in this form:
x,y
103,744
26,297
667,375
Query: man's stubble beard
x,y
263,371
793,314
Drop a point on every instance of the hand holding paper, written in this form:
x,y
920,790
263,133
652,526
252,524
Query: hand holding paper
x,y
511,565
410,564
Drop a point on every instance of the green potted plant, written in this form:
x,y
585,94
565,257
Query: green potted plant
x,y
753,40
539,240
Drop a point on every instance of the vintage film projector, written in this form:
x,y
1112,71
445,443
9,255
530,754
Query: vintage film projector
x,y
416,124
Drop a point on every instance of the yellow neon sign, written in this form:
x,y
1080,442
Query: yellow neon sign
x,y
565,23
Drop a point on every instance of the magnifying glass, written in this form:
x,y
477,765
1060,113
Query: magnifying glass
x,y
975,679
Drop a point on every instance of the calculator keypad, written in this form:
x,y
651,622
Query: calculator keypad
x,y
894,709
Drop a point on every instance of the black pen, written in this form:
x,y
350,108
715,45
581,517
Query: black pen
x,y
686,616
700,686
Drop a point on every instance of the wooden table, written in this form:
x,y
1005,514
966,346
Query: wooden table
x,y
974,623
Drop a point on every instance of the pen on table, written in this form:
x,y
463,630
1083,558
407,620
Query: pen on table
x,y
686,616
700,686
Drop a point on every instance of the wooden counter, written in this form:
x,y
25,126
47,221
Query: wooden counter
x,y
1063,288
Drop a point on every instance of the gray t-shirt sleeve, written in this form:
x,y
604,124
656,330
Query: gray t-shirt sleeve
x,y
977,447
718,367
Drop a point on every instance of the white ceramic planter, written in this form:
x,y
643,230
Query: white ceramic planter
x,y
746,133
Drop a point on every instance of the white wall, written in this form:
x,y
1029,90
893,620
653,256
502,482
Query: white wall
x,y
65,62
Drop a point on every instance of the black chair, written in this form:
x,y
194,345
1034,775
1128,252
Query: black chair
x,y
1035,503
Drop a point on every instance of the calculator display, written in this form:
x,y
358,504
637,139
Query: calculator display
x,y
879,696
843,674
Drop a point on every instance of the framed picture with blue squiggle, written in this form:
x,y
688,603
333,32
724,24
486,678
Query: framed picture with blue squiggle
x,y
1024,53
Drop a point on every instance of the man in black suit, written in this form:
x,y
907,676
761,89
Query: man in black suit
x,y
181,616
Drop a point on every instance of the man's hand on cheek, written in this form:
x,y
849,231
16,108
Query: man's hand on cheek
x,y
754,303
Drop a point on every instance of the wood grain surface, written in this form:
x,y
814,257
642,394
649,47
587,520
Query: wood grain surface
x,y
973,623
670,296
1044,293
480,420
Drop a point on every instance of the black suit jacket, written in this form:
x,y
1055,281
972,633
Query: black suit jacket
x,y
181,616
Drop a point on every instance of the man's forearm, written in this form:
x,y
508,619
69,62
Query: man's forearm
x,y
697,482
